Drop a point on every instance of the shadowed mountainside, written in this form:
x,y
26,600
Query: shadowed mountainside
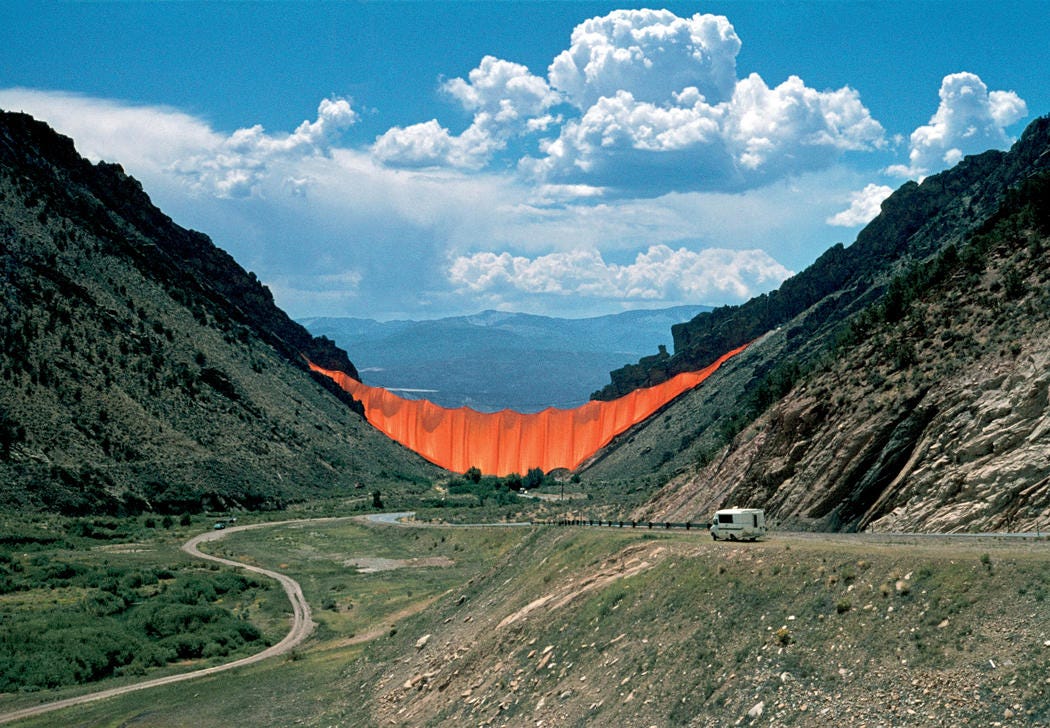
x,y
142,368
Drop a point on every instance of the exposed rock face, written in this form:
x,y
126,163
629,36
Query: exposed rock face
x,y
938,420
931,413
982,463
972,454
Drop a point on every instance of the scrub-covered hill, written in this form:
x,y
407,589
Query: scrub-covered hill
x,y
142,368
910,394
932,413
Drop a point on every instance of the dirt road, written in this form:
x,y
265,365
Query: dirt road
x,y
301,627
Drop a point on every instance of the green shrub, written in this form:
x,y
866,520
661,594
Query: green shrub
x,y
122,625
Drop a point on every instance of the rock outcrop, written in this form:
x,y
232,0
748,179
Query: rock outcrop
x,y
932,414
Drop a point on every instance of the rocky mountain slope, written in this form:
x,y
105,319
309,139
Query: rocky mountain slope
x,y
495,359
916,222
927,410
142,368
932,415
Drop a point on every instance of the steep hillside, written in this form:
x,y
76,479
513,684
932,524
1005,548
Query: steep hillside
x,y
142,368
917,221
496,360
685,632
932,413
801,329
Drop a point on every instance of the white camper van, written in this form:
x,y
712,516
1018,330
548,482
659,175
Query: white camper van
x,y
737,524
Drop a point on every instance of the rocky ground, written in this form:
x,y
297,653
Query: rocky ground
x,y
797,631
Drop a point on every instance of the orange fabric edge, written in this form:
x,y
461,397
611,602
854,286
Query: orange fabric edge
x,y
505,442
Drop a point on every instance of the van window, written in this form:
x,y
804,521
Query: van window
x,y
725,517
755,516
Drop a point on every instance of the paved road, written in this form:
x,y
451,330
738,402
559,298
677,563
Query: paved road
x,y
302,625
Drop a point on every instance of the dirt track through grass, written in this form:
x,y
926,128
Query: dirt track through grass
x,y
300,629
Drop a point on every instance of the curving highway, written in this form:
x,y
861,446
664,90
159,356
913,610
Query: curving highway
x,y
302,624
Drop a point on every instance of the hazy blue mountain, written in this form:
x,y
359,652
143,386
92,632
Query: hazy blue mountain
x,y
495,360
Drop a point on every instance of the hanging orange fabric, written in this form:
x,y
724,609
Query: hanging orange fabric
x,y
501,443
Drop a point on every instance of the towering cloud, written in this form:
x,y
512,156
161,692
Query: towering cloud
x,y
650,103
969,120
506,101
662,108
650,54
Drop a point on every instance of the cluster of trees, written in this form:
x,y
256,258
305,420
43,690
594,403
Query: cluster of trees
x,y
113,620
495,490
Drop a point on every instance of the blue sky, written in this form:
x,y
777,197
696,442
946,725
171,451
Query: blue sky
x,y
425,159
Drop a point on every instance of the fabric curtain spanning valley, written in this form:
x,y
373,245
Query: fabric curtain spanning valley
x,y
501,443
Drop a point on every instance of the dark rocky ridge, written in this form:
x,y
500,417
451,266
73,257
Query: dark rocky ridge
x,y
142,368
916,222
116,207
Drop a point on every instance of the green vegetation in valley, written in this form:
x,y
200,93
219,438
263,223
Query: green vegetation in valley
x,y
466,625
356,575
87,599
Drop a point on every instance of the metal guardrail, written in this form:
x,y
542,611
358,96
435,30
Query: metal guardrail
x,y
648,525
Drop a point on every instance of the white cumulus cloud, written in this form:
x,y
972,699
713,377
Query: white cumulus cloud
x,y
651,54
426,144
662,109
236,165
759,135
659,273
505,91
865,205
970,119
336,233
642,102
768,127
506,100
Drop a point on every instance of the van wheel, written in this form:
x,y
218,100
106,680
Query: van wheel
x,y
714,537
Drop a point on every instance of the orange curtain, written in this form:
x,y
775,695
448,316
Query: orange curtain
x,y
501,443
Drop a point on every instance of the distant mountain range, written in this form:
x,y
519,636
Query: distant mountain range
x,y
496,360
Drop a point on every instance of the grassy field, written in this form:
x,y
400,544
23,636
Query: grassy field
x,y
92,602
571,626
400,571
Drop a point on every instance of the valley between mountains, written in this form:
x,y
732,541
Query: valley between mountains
x,y
151,389
525,626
